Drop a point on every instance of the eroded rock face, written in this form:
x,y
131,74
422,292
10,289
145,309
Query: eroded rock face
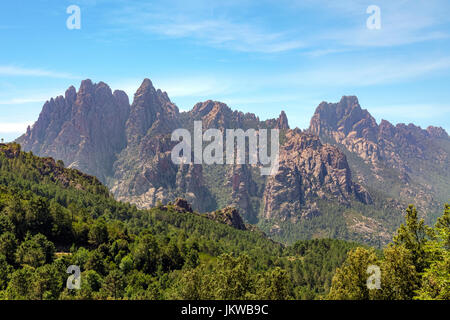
x,y
144,173
229,216
182,205
346,123
309,170
85,129
437,132
150,110
129,149
280,123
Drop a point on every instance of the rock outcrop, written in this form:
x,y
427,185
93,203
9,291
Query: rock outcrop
x,y
402,161
182,205
309,170
229,216
85,129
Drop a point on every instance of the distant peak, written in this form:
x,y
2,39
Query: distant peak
x,y
71,94
385,124
346,116
145,86
282,122
102,84
353,100
86,85
147,81
437,132
203,108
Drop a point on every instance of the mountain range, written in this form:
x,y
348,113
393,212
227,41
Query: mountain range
x,y
346,176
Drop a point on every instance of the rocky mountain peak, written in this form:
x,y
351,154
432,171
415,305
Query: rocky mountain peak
x,y
86,86
437,132
88,124
308,169
403,151
146,87
202,109
282,121
71,95
150,107
344,117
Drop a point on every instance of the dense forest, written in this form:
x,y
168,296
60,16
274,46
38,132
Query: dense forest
x,y
52,217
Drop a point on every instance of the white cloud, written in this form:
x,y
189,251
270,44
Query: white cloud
x,y
25,97
225,33
366,72
218,31
410,111
30,72
14,127
402,22
15,101
186,86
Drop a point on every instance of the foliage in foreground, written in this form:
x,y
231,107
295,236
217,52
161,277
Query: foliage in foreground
x,y
415,266
52,217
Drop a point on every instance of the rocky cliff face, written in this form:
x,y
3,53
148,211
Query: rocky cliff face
x,y
85,129
341,159
129,147
229,216
308,171
403,161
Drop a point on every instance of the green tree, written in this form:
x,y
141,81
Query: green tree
x,y
146,253
91,283
350,281
35,251
47,282
5,270
399,278
20,284
8,246
114,285
232,278
192,259
96,262
413,235
126,264
436,278
98,233
274,286
195,284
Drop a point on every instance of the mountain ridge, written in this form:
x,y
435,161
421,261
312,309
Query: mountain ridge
x,y
415,155
344,159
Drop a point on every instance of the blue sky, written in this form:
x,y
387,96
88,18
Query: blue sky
x,y
256,56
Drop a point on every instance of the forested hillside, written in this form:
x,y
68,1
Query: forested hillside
x,y
52,217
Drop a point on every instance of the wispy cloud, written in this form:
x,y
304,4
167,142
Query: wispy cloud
x,y
228,34
412,112
243,88
15,101
181,86
14,127
32,72
403,22
202,27
367,72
